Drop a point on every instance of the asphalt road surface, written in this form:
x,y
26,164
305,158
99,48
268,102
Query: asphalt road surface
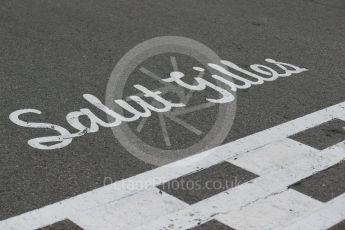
x,y
53,52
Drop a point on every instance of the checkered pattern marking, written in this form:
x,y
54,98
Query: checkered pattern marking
x,y
273,161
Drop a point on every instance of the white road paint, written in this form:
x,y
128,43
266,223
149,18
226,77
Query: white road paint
x,y
271,213
73,118
248,193
328,215
128,213
270,182
274,156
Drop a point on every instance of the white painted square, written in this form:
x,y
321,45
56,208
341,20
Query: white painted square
x,y
274,212
127,213
273,157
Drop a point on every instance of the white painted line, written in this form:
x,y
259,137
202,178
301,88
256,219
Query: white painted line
x,y
329,215
116,191
128,213
272,213
248,193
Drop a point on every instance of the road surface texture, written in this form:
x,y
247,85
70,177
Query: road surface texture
x,y
53,52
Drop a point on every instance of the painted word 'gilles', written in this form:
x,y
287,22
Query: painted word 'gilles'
x,y
73,118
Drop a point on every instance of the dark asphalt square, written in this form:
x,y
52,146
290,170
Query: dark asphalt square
x,y
62,225
339,226
324,185
207,182
212,225
322,136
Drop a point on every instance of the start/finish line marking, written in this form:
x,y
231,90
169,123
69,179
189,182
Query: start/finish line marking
x,y
120,204
239,199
